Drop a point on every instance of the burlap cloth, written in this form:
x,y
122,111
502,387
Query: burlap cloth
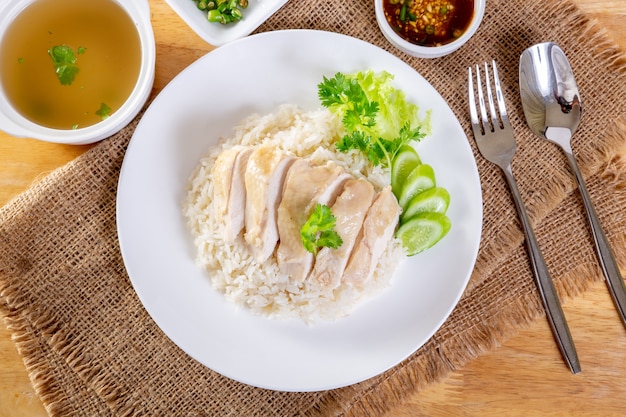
x,y
91,349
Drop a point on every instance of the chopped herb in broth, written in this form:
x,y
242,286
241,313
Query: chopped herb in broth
x,y
62,60
104,111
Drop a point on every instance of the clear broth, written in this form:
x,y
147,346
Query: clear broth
x,y
108,68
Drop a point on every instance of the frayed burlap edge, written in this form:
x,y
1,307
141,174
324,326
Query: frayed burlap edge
x,y
38,331
41,358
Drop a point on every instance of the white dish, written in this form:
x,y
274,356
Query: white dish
x,y
428,51
217,34
185,120
13,123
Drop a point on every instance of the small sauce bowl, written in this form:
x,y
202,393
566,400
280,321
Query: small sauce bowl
x,y
413,26
16,124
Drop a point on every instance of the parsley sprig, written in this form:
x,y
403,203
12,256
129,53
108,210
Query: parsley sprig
x,y
104,111
379,150
319,230
344,94
64,61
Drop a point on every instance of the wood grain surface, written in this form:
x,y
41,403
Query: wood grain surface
x,y
525,376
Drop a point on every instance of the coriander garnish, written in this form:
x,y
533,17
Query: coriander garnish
x,y
104,111
64,62
319,230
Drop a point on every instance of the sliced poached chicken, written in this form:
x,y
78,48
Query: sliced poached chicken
x,y
264,178
378,228
305,186
271,194
349,210
229,189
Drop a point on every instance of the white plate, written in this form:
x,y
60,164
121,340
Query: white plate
x,y
217,34
205,102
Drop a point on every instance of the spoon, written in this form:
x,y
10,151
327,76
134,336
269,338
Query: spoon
x,y
553,110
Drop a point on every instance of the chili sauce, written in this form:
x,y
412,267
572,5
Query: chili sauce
x,y
429,22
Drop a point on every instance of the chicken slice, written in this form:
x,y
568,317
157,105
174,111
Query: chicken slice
x,y
305,186
222,178
228,190
349,209
264,178
378,228
238,196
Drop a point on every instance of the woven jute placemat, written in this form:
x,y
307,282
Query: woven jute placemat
x,y
91,348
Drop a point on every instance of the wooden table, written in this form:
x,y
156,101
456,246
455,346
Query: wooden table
x,y
525,376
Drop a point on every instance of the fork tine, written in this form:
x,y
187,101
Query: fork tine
x,y
499,95
492,107
481,101
472,100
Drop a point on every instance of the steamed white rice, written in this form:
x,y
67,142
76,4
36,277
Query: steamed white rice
x,y
232,269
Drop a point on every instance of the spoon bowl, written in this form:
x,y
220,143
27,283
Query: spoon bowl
x,y
553,111
550,96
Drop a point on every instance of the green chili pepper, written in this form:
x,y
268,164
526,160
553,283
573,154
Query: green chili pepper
x,y
222,11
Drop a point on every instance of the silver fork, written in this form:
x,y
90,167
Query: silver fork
x,y
495,140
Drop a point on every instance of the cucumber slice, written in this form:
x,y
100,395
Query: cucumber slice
x,y
403,164
433,200
422,231
420,179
